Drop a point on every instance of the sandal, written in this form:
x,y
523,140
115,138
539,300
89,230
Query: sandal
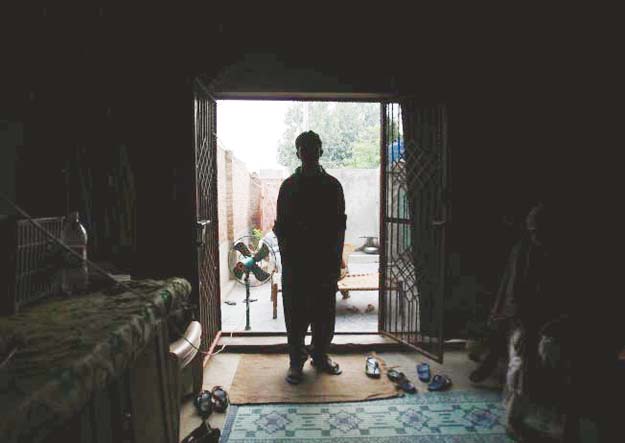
x,y
439,383
328,366
294,376
399,378
220,399
203,403
372,367
394,375
203,433
423,370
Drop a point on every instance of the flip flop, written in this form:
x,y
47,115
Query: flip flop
x,y
423,370
439,383
372,367
399,378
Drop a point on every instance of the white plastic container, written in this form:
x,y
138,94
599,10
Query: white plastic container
x,y
75,278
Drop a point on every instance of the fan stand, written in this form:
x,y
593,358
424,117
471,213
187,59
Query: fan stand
x,y
247,301
247,261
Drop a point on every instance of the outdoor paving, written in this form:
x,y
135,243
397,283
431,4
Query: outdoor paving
x,y
351,314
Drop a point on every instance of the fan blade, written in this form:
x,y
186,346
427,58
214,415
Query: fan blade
x,y
239,270
259,273
242,249
262,253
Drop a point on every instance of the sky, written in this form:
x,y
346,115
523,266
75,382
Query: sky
x,y
252,130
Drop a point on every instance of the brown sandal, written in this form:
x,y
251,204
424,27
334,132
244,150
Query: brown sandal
x,y
294,376
328,366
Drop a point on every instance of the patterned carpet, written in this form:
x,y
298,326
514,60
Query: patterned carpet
x,y
443,417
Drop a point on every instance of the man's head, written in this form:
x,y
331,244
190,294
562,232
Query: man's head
x,y
308,146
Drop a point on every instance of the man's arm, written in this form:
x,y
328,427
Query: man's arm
x,y
339,230
279,226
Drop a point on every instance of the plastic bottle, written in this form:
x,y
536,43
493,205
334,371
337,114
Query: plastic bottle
x,y
75,276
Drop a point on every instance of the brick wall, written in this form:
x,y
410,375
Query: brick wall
x,y
221,195
239,200
229,221
268,200
223,191
254,209
247,201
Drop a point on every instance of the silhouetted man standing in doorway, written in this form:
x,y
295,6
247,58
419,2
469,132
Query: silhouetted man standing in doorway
x,y
310,228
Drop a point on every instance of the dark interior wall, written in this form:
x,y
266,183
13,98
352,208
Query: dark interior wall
x,y
78,83
100,77
492,186
516,87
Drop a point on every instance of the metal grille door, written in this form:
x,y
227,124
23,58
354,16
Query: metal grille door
x,y
207,229
412,273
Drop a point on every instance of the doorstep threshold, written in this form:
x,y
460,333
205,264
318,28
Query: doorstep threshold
x,y
342,343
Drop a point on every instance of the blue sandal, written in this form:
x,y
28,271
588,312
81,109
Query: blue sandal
x,y
423,370
439,383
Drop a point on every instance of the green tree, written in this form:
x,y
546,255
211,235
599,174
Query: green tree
x,y
364,153
350,133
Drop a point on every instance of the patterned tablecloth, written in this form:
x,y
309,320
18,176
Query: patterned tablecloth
x,y
71,347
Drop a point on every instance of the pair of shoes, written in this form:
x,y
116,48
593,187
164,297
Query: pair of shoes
x,y
214,400
203,434
326,365
372,367
440,382
294,375
399,378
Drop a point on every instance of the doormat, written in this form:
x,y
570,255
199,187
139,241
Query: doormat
x,y
441,417
260,378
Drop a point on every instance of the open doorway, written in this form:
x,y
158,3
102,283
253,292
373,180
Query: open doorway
x,y
255,153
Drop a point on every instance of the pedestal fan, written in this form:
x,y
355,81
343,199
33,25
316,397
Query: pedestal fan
x,y
252,264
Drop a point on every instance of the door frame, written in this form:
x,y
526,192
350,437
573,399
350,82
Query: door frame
x,y
382,99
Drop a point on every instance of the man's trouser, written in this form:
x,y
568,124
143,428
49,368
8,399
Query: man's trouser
x,y
308,304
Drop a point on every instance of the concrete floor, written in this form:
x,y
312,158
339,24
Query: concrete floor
x,y
222,367
351,316
351,313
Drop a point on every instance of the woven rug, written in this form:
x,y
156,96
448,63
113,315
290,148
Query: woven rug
x,y
259,379
453,416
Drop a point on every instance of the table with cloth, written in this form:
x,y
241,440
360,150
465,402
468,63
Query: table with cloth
x,y
70,348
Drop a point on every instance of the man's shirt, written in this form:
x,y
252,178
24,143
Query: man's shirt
x,y
310,226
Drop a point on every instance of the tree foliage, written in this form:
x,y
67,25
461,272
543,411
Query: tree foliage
x,y
350,133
